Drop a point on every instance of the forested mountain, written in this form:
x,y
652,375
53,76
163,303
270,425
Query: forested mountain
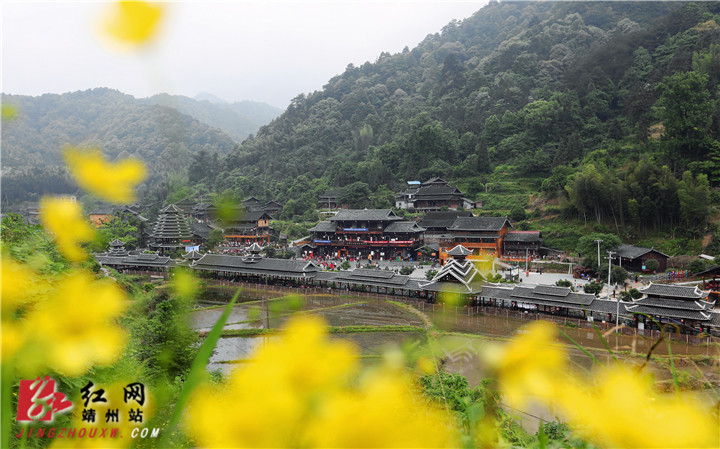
x,y
168,133
238,120
605,105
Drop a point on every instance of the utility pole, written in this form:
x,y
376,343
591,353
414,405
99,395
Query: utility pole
x,y
598,241
617,306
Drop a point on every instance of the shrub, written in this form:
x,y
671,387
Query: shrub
x,y
652,265
593,288
407,270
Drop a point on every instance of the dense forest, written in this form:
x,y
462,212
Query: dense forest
x,y
608,109
164,131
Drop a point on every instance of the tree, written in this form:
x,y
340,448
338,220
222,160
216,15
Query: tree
x,y
686,109
588,247
356,195
121,226
694,198
593,288
216,237
518,214
652,265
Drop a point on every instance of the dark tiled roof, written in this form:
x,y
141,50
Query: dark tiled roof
x,y
443,219
428,193
140,260
193,255
202,230
523,236
324,226
462,273
453,287
403,227
107,210
670,312
673,303
254,216
259,266
673,291
434,181
479,224
331,194
633,252
171,224
459,250
366,215
376,278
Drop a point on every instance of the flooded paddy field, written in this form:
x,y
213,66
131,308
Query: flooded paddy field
x,y
459,353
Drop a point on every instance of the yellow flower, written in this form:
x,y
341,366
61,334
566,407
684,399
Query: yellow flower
x,y
297,391
132,22
621,410
186,284
383,411
114,182
530,365
75,328
9,111
615,408
19,284
65,221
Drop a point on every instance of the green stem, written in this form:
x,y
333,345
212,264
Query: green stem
x,y
197,371
6,394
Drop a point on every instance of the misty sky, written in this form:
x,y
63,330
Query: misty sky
x,y
267,51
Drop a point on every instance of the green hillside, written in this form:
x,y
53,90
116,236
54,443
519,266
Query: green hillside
x,y
596,112
238,120
122,126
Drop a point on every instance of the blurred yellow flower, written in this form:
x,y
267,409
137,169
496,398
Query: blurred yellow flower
x,y
114,182
530,365
383,411
185,284
298,391
19,284
620,409
617,407
132,22
9,111
64,220
75,327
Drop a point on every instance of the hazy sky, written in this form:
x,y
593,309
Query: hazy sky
x,y
267,51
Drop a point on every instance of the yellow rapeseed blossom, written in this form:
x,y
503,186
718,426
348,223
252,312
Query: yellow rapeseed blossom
x,y
531,365
620,409
114,182
9,111
297,391
615,408
19,286
75,327
64,220
132,23
383,411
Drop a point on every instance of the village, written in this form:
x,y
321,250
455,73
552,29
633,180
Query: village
x,y
448,251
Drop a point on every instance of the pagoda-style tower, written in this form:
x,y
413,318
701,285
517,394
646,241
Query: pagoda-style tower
x,y
458,276
117,248
171,231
